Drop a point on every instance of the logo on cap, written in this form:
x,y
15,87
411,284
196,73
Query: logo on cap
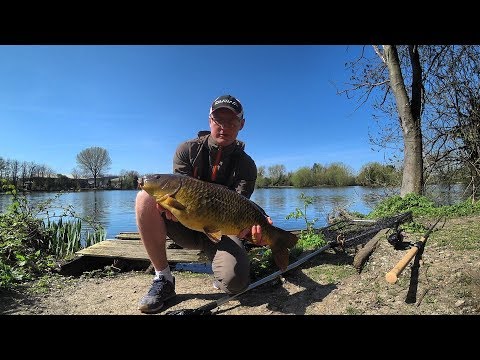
x,y
229,102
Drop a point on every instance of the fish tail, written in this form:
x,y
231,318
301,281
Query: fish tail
x,y
281,257
283,238
280,241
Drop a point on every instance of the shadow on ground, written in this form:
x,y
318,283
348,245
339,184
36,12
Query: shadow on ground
x,y
304,291
185,297
330,258
12,300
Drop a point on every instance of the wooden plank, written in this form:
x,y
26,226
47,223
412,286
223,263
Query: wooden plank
x,y
126,235
135,236
128,246
134,250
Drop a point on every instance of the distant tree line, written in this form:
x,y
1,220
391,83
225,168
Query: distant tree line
x,y
372,174
30,176
92,164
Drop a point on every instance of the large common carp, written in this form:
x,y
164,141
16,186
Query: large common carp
x,y
216,210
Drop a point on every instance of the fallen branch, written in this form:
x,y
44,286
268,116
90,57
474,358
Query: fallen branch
x,y
364,253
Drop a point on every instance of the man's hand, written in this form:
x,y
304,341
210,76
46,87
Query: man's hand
x,y
168,214
254,234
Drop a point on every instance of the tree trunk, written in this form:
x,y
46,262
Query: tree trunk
x,y
409,114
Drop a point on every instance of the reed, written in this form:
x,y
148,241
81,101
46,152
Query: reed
x,y
68,236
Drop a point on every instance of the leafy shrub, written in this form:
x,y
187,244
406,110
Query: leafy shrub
x,y
30,246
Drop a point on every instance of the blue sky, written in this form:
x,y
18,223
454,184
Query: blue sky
x,y
139,102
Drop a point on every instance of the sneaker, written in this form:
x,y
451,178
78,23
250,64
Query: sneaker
x,y
160,291
216,285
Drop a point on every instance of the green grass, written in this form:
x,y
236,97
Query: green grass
x,y
463,293
350,310
48,282
422,209
464,234
330,273
429,299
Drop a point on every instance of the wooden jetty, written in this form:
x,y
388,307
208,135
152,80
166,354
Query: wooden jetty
x,y
134,250
128,246
126,251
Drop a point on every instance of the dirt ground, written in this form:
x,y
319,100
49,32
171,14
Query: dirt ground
x,y
448,283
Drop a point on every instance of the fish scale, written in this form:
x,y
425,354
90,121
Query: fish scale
x,y
216,210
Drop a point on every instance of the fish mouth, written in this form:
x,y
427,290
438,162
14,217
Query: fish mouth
x,y
146,178
143,180
159,182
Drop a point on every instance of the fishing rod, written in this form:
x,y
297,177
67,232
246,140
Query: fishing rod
x,y
207,308
392,275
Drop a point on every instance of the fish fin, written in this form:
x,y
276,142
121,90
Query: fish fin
x,y
214,235
283,238
291,240
161,198
281,257
170,202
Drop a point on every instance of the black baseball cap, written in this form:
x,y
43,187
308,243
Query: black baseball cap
x,y
229,102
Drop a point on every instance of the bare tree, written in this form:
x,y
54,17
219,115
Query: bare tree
x,y
76,173
43,171
409,110
277,174
405,105
452,128
261,171
434,116
3,168
14,168
95,161
27,169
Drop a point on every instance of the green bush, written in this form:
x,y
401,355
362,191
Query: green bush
x,y
30,246
421,206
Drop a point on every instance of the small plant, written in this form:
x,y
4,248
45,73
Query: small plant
x,y
350,310
261,260
107,271
299,213
308,239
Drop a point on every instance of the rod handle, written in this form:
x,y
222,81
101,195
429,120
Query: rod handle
x,y
392,275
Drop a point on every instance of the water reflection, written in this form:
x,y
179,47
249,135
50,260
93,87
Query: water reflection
x,y
115,209
278,203
447,194
94,206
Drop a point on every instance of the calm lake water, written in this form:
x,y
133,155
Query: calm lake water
x,y
114,209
